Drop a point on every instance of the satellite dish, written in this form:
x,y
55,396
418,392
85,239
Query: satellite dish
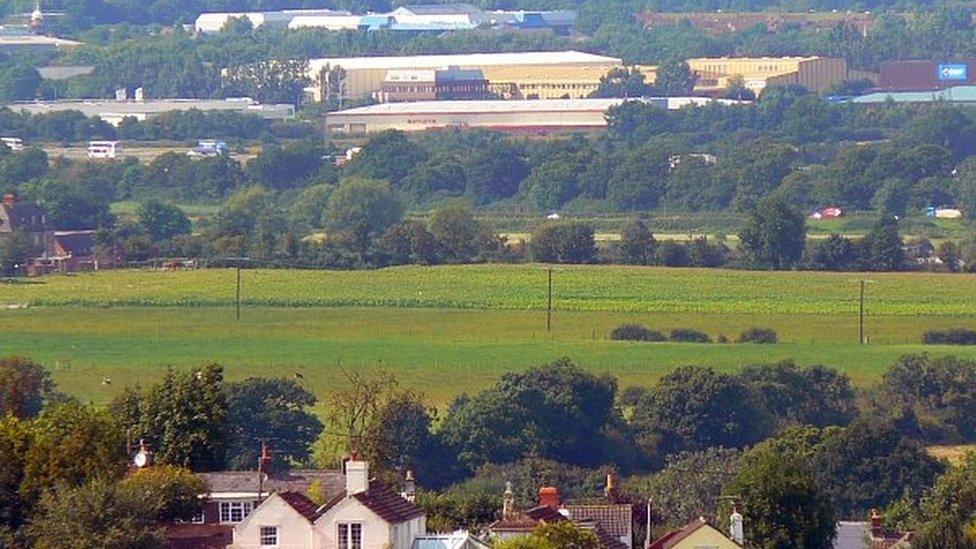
x,y
141,459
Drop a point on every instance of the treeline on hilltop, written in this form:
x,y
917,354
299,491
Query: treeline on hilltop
x,y
771,434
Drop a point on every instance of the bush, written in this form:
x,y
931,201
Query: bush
x,y
955,336
758,335
687,335
635,332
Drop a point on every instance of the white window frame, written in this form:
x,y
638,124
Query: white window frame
x,y
344,533
268,536
227,510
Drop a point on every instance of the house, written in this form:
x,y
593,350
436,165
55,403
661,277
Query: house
x,y
697,533
870,535
607,522
233,495
366,515
26,217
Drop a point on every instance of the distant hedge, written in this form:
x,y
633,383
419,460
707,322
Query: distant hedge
x,y
759,335
954,336
635,332
687,335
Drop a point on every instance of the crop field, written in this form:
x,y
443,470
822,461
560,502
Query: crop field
x,y
453,329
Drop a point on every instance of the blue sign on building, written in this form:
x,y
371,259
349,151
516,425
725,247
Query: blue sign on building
x,y
954,71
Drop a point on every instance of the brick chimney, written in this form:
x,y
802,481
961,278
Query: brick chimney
x,y
357,475
264,462
508,502
10,199
549,497
877,524
610,490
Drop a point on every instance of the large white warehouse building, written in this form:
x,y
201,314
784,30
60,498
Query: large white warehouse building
x,y
531,116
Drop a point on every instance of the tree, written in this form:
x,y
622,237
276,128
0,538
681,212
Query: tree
x,y
16,436
163,221
272,410
947,514
183,418
950,254
834,253
72,444
637,244
19,83
623,82
774,234
389,155
269,81
552,183
165,493
363,205
884,245
556,411
814,395
408,242
305,213
564,243
564,534
674,78
781,504
25,387
292,165
16,249
693,408
99,514
456,229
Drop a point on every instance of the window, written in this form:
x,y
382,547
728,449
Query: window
x,y
269,535
350,536
197,518
232,512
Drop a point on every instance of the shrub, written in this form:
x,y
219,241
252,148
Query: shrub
x,y
635,332
758,335
954,336
687,335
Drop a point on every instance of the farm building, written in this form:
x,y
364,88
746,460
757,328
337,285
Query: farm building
x,y
544,115
528,75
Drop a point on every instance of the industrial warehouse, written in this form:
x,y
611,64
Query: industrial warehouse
x,y
527,116
141,109
527,75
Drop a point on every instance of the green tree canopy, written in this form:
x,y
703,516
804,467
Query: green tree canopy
x,y
775,234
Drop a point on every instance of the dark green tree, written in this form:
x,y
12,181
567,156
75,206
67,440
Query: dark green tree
x,y
674,78
884,245
25,387
774,234
366,205
637,244
564,243
269,410
623,82
163,221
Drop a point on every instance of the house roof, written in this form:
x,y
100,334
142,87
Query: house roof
x,y
386,503
672,538
526,521
299,480
75,243
607,540
26,216
301,504
617,519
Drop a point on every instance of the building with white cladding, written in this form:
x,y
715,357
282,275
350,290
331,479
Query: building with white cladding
x,y
527,116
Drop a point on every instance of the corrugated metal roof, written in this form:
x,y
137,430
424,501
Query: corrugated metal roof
x,y
956,94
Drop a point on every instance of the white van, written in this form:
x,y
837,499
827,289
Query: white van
x,y
104,149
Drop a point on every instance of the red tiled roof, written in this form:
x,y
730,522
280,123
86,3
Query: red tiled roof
x,y
304,506
616,519
390,506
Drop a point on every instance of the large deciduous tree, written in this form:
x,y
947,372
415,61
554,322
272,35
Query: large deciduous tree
x,y
774,234
25,387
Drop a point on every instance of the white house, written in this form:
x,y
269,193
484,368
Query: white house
x,y
368,515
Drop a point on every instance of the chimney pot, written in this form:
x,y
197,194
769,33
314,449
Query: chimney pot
x,y
264,462
877,524
410,487
549,497
9,198
508,502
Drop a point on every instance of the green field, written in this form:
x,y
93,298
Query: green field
x,y
445,330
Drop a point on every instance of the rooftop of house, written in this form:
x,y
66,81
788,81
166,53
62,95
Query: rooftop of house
x,y
75,243
301,504
231,483
382,500
616,519
674,537
456,540
21,216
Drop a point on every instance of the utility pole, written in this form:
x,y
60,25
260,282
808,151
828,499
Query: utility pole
x,y
549,302
861,316
238,300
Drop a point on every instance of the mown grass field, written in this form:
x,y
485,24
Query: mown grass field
x,y
446,330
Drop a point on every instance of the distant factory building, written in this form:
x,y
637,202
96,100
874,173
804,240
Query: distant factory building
x,y
451,83
817,74
23,40
525,75
926,75
561,21
114,111
955,94
462,15
214,22
527,116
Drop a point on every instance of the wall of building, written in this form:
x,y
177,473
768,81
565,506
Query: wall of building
x,y
921,75
376,532
294,531
340,122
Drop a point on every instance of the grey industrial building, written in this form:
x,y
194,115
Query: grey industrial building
x,y
113,111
